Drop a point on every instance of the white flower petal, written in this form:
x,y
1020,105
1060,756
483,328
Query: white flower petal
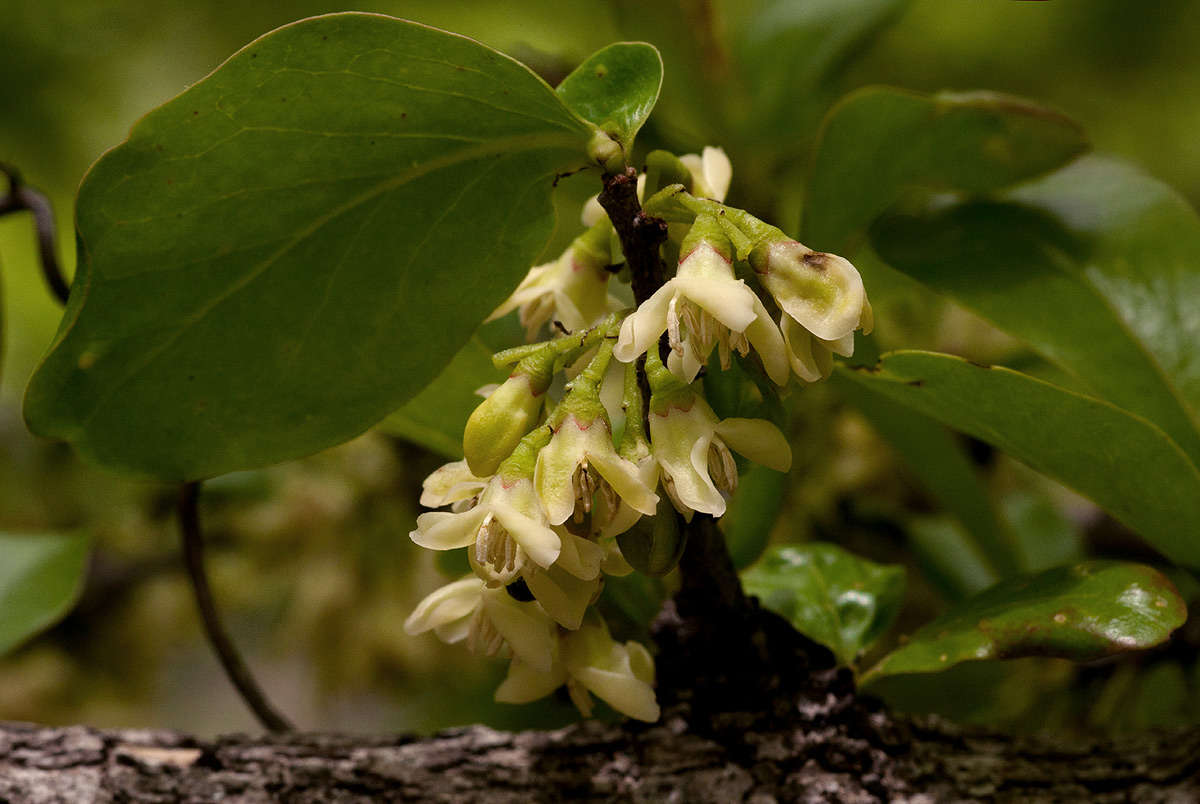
x,y
450,484
727,300
440,530
563,596
539,542
799,342
524,683
445,605
623,476
527,631
717,170
759,440
767,341
644,326
627,694
580,557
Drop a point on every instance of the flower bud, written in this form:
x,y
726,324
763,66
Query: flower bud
x,y
512,410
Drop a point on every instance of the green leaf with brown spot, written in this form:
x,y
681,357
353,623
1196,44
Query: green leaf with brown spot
x,y
1082,612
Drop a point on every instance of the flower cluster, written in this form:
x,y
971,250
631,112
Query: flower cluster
x,y
560,488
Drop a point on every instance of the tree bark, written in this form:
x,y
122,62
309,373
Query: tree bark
x,y
821,759
752,711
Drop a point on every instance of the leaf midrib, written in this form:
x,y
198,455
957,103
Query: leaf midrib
x,y
505,146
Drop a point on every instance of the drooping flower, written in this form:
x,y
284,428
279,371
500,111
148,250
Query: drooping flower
x,y
580,459
635,448
591,663
692,446
822,298
572,290
487,620
452,484
704,306
506,527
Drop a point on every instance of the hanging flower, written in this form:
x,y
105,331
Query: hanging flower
x,y
506,527
572,290
580,459
692,446
704,307
822,298
591,663
488,620
452,484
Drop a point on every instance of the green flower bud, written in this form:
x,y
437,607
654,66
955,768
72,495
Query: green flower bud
x,y
512,410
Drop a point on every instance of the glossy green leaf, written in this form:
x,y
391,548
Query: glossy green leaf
x,y
1097,266
616,88
41,576
435,417
788,53
1121,461
292,248
878,141
939,464
828,594
1082,612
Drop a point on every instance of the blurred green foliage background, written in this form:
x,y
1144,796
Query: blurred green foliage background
x,y
311,559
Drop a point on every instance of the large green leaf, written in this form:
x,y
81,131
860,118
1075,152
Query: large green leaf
x,y
1097,266
41,576
828,594
1123,462
1081,612
288,251
878,141
616,88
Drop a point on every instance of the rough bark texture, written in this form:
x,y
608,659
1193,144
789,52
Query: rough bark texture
x,y
753,712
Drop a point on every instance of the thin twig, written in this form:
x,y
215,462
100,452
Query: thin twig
x,y
22,197
235,667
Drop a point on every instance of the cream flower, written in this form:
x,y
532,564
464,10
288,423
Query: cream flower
x,y
823,301
452,484
711,172
580,459
591,663
504,530
572,290
692,445
488,620
704,306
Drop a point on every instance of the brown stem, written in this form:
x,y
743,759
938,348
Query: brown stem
x,y
235,667
22,197
640,234
710,581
